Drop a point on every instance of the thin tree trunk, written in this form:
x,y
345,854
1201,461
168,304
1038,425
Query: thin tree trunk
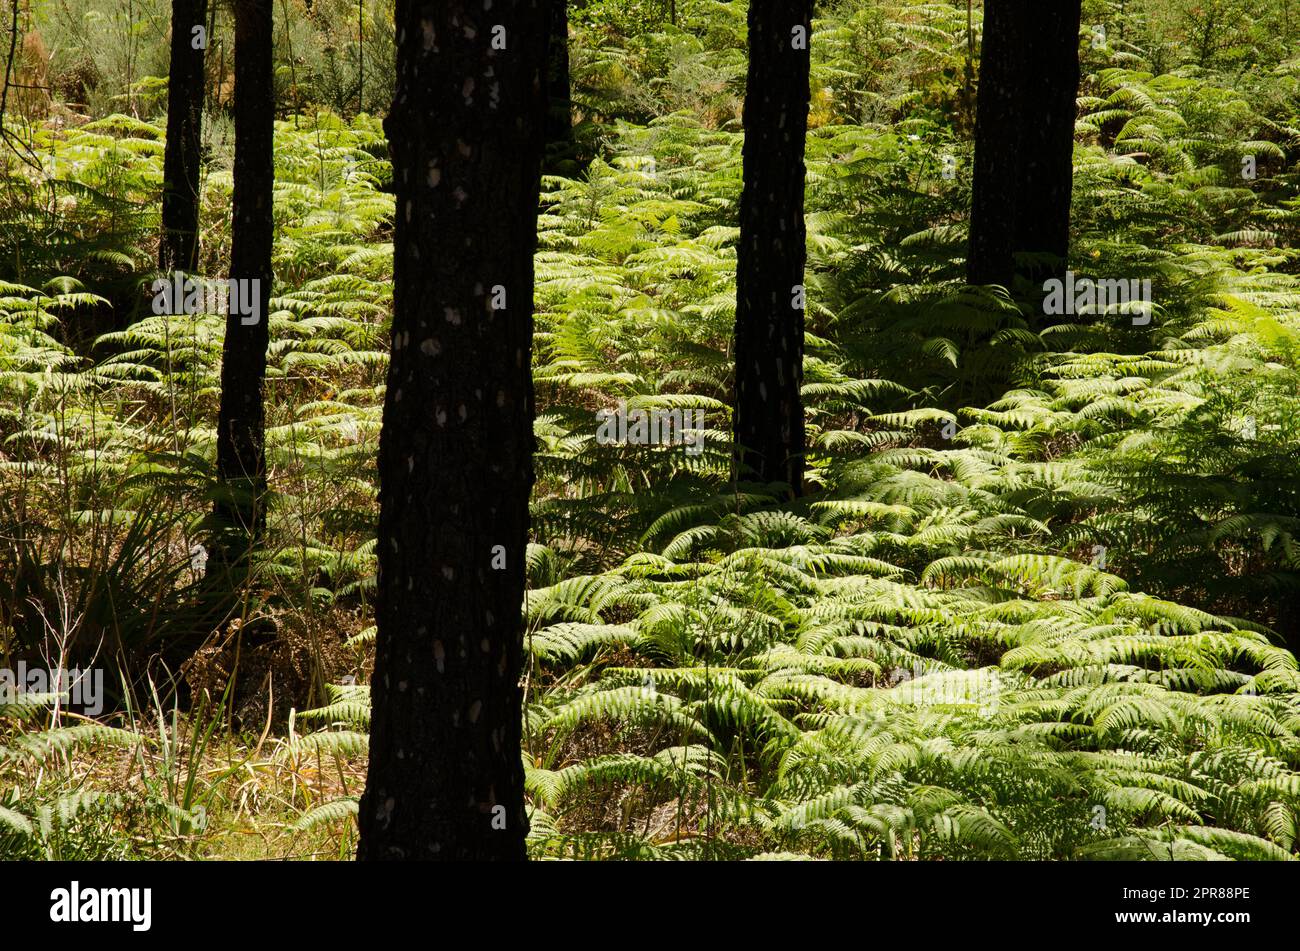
x,y
968,92
1024,142
241,453
466,132
1051,107
179,246
769,421
998,118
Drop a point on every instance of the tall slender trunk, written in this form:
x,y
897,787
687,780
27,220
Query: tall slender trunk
x,y
968,89
1024,141
1047,150
998,118
455,459
769,423
179,247
241,424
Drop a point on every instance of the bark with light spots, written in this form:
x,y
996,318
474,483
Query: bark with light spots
x,y
455,461
1024,141
241,420
179,247
769,420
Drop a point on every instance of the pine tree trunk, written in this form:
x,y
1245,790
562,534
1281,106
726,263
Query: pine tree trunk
x,y
455,459
559,114
1050,110
769,421
178,249
1024,142
241,453
998,119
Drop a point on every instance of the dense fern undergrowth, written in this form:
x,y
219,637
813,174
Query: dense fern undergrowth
x,y
1035,604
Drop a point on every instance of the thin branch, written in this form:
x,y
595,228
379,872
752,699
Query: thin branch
x,y
19,147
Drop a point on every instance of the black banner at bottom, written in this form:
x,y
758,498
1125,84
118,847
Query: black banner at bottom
x,y
145,901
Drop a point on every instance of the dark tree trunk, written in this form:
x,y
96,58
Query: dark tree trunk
x,y
1051,108
769,423
178,249
998,119
559,113
241,453
1024,141
455,459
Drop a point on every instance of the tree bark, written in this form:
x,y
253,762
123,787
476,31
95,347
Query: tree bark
x,y
455,459
241,453
178,250
769,421
1050,110
559,113
998,118
1024,141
